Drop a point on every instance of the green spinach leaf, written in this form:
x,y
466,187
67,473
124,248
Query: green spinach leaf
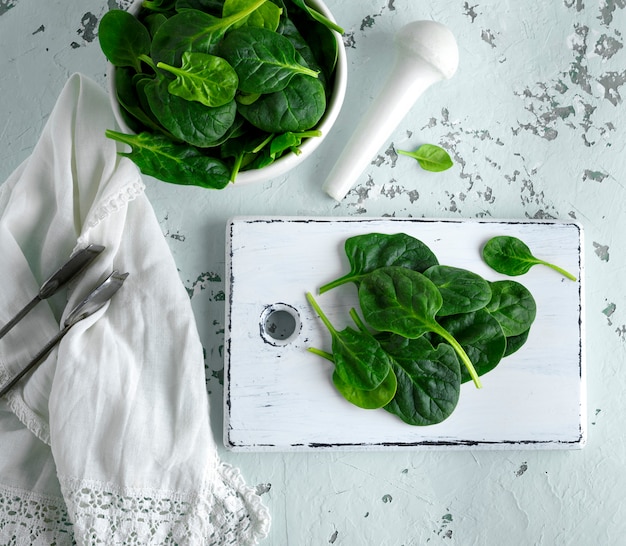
x,y
128,99
513,306
123,38
265,16
405,302
316,43
317,16
430,157
374,250
289,142
372,399
189,121
194,30
429,380
359,359
264,60
298,107
213,7
481,337
207,79
181,164
515,343
159,6
152,23
511,256
303,48
462,291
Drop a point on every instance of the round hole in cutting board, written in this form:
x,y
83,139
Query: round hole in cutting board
x,y
280,324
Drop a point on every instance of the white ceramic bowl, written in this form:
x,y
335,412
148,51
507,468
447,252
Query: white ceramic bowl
x,y
289,160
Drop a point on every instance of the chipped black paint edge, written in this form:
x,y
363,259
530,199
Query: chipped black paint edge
x,y
582,364
424,445
391,219
229,275
451,443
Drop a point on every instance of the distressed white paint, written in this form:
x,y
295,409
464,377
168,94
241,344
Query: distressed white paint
x,y
281,397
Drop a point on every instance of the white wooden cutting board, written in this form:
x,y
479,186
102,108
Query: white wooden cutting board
x,y
279,396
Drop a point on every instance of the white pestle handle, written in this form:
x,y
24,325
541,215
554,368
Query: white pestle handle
x,y
426,53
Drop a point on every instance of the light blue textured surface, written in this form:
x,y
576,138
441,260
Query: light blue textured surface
x,y
535,122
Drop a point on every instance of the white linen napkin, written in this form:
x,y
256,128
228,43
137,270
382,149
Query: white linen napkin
x,y
108,441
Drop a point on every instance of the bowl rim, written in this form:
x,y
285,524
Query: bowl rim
x,y
290,160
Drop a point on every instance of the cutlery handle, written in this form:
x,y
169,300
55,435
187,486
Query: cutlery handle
x,y
37,359
76,263
5,329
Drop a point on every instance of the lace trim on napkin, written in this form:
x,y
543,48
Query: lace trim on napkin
x,y
28,519
127,193
225,513
33,422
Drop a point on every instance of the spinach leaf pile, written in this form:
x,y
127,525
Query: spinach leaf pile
x,y
424,328
214,87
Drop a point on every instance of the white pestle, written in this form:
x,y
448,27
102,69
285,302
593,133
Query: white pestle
x,y
426,53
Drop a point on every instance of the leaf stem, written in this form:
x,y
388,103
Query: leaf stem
x,y
357,320
560,270
148,61
321,314
262,144
461,352
323,354
350,277
335,283
236,166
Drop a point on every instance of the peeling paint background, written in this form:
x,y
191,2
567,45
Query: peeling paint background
x,y
535,122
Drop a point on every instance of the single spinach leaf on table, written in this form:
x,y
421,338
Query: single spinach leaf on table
x,y
511,256
264,60
462,291
123,38
513,306
298,107
359,359
374,250
204,78
481,337
429,380
405,302
158,156
189,121
430,157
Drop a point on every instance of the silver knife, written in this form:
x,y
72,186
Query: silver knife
x,y
77,262
92,303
